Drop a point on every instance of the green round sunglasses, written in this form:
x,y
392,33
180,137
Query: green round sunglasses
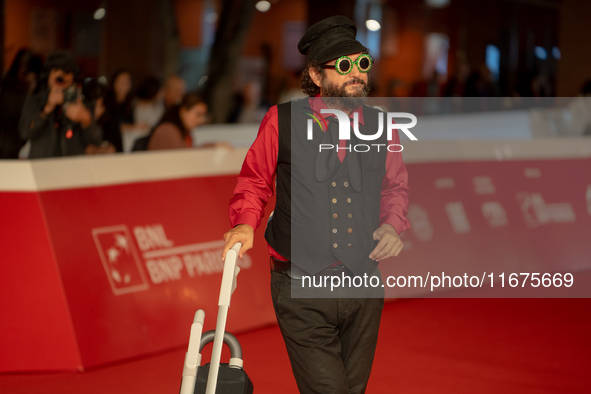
x,y
344,64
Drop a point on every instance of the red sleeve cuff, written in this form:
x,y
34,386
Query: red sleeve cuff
x,y
249,218
398,224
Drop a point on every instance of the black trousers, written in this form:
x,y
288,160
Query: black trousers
x,y
330,341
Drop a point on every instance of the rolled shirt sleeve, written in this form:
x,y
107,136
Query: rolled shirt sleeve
x,y
255,182
394,200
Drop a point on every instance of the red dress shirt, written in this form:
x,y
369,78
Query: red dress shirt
x,y
256,179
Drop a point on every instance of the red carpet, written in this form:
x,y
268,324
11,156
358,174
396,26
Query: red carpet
x,y
425,346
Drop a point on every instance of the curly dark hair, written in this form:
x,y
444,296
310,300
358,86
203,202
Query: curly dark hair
x,y
59,60
308,86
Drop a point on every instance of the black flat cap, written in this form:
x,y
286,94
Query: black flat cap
x,y
329,39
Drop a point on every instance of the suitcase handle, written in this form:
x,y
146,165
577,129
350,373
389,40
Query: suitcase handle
x,y
232,343
228,284
192,357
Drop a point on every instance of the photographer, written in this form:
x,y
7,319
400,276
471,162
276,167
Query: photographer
x,y
54,118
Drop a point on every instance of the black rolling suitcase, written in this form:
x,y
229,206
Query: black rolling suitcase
x,y
216,378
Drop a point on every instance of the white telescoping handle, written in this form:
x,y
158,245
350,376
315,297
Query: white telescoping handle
x,y
192,355
228,286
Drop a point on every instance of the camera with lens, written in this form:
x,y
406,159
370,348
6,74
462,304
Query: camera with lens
x,y
71,93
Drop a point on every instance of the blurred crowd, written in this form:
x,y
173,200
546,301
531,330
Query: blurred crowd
x,y
479,81
51,108
47,109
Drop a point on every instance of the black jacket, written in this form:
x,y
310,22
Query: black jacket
x,y
49,135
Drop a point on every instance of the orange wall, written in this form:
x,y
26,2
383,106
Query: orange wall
x,y
189,14
413,23
16,28
17,22
406,65
573,67
267,27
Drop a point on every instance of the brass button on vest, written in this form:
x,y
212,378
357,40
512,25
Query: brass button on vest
x,y
334,200
334,230
334,215
346,184
350,230
334,184
335,245
350,216
348,200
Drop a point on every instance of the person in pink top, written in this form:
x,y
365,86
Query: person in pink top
x,y
174,129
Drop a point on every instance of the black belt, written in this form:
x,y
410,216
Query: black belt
x,y
285,267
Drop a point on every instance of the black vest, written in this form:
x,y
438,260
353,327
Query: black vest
x,y
326,213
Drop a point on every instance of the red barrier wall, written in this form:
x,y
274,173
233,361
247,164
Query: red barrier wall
x,y
99,274
497,217
36,330
166,238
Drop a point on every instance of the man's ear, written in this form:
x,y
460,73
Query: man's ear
x,y
315,75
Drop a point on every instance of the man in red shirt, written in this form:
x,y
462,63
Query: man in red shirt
x,y
326,202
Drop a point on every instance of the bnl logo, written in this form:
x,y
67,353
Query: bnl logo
x,y
345,130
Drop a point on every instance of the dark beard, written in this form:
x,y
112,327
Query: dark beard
x,y
333,95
